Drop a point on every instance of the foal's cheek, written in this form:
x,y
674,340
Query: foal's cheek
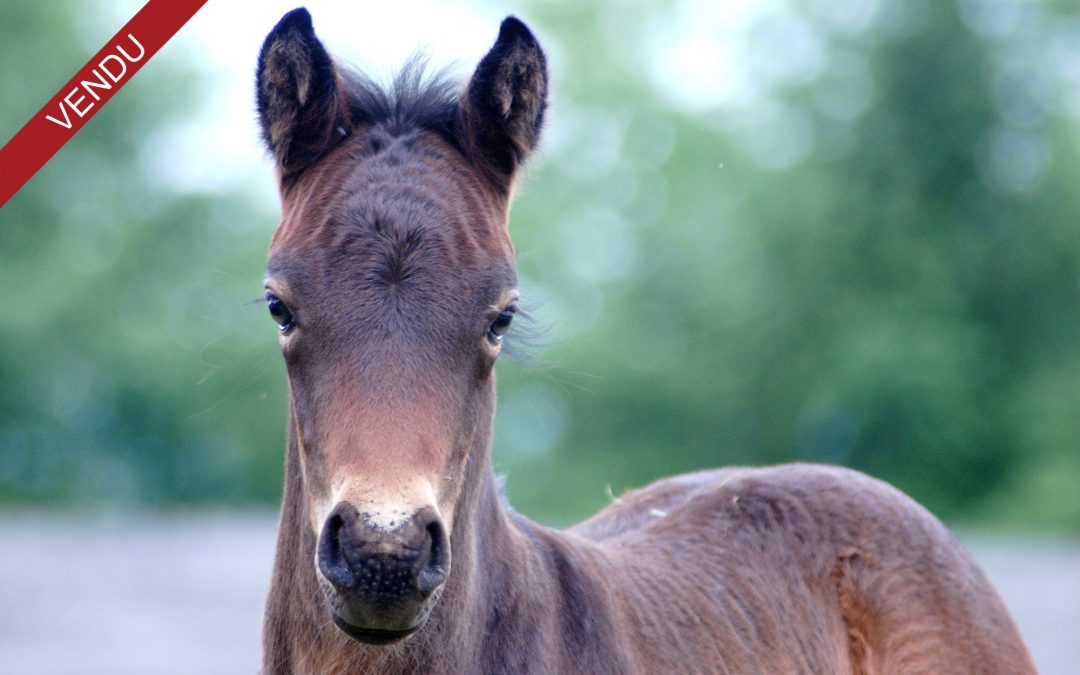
x,y
304,411
484,368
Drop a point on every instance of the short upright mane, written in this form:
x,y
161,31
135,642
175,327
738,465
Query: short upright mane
x,y
414,99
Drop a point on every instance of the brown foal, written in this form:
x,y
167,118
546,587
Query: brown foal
x,y
392,281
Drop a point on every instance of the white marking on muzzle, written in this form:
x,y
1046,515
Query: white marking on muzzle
x,y
387,521
387,508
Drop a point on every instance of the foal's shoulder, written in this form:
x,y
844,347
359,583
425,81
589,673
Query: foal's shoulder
x,y
881,564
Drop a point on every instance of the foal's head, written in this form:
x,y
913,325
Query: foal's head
x,y
391,278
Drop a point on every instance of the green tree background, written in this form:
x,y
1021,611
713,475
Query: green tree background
x,y
874,264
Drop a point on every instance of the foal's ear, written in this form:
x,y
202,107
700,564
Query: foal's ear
x,y
302,111
503,105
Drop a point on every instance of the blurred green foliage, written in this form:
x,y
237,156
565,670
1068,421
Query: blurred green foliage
x,y
872,263
134,369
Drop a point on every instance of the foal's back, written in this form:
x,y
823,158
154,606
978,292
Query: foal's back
x,y
797,569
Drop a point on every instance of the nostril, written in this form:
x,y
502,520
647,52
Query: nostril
x,y
332,563
435,533
434,572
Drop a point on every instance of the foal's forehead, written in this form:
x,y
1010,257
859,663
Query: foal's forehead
x,y
376,180
393,211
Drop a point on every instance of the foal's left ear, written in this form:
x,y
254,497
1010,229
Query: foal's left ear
x,y
302,110
503,105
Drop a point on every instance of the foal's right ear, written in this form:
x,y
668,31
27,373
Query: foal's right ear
x,y
302,110
504,102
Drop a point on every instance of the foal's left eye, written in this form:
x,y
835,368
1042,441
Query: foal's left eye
x,y
280,313
501,325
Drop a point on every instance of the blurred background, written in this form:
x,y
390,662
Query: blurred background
x,y
837,231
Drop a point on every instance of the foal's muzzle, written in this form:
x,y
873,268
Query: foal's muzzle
x,y
381,585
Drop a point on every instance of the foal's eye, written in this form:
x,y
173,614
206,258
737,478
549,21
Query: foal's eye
x,y
501,324
280,313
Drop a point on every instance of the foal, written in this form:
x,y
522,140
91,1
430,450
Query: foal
x,y
392,281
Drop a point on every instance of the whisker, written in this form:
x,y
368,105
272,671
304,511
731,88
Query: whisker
x,y
247,381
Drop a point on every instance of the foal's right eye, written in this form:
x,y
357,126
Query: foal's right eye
x,y
501,325
280,313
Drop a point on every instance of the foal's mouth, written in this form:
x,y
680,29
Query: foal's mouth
x,y
373,636
375,623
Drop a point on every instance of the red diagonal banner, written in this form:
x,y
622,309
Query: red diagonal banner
x,y
90,89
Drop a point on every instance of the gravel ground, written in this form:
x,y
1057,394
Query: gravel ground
x,y
119,594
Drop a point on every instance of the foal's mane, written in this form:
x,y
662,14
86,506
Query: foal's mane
x,y
414,99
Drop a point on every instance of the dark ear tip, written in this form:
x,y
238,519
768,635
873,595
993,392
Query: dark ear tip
x,y
513,28
295,24
298,20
